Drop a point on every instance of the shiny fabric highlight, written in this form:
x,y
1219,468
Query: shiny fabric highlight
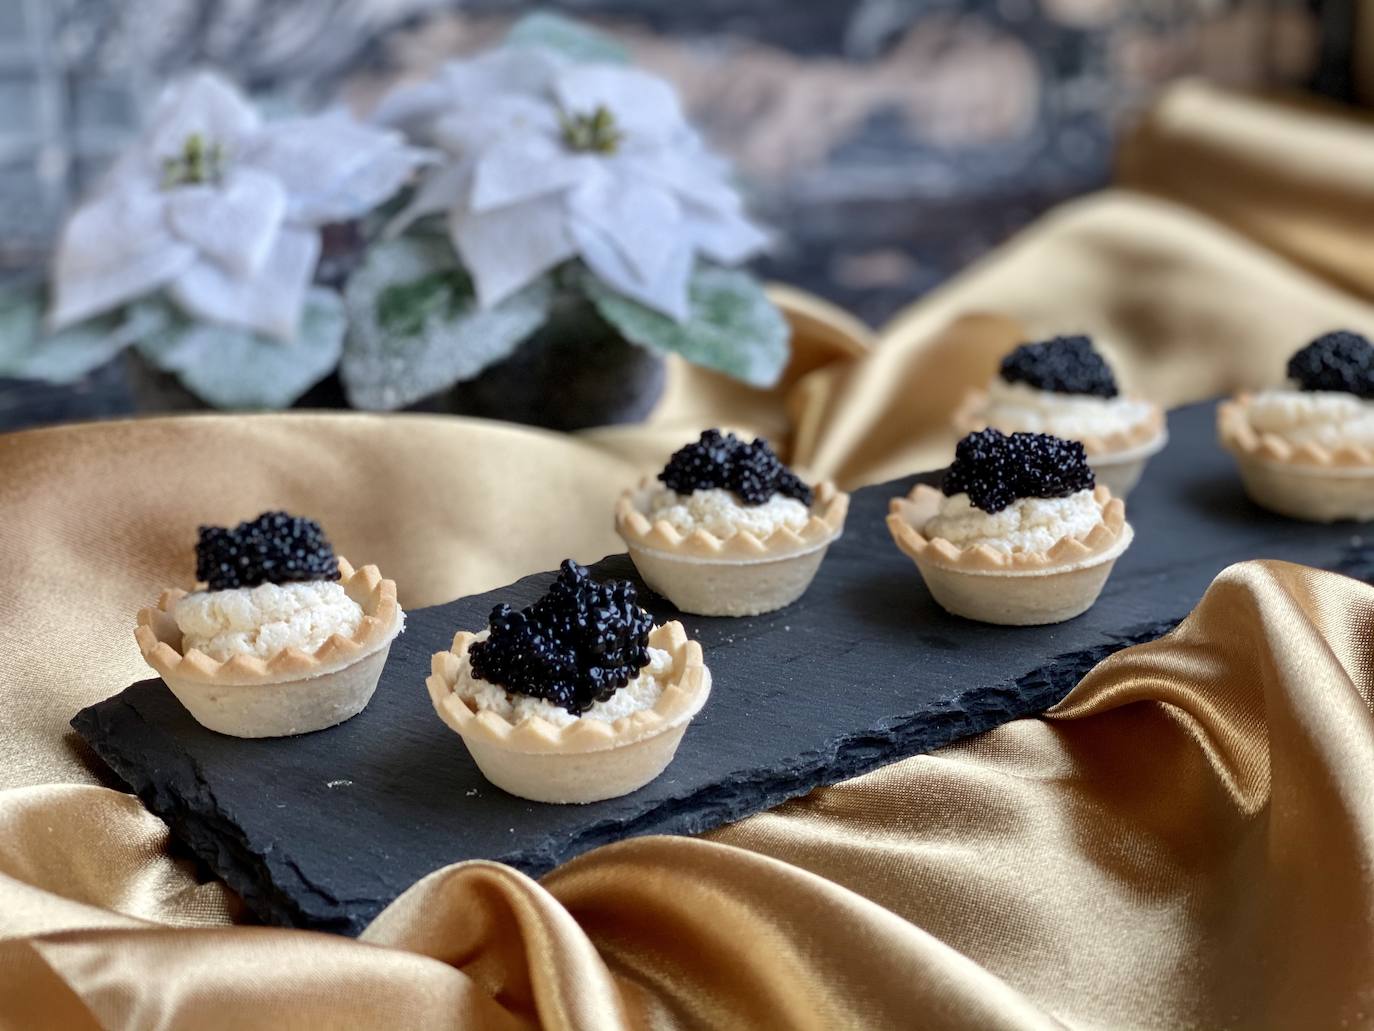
x,y
1187,840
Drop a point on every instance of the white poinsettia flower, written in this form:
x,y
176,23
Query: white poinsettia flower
x,y
559,160
222,209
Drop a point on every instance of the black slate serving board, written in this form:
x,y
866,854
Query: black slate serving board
x,y
322,831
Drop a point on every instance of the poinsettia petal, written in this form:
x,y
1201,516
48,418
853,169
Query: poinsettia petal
x,y
641,220
473,128
362,190
113,250
725,238
686,173
521,168
366,187
268,302
667,293
235,223
645,107
528,69
300,150
412,108
203,104
331,163
502,76
469,88
506,248
443,189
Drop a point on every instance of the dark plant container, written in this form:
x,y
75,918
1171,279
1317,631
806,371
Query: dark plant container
x,y
575,373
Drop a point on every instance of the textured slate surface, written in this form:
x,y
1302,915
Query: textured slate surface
x,y
322,831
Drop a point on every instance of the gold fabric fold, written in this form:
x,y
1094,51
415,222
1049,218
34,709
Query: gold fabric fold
x,y
1307,199
1186,841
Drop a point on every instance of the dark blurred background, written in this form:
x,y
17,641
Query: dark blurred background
x,y
890,141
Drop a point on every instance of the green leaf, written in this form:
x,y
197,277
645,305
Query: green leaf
x,y
568,37
235,368
404,308
415,327
27,352
731,326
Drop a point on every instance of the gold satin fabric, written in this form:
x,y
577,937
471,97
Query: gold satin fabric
x,y
1186,841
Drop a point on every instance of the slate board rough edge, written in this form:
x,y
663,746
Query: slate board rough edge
x,y
266,886
274,889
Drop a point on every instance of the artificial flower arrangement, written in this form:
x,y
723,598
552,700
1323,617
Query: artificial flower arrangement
x,y
543,192
199,248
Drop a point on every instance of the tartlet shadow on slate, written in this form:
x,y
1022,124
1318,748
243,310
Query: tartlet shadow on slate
x,y
322,831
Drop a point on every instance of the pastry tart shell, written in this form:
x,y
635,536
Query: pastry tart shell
x,y
738,575
1303,481
587,760
1012,589
1118,459
292,692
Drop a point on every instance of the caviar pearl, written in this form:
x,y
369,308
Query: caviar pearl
x,y
1340,361
577,645
722,461
1061,365
274,548
995,469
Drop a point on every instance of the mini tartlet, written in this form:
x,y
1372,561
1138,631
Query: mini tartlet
x,y
727,529
1064,387
240,682
555,740
1307,450
1050,566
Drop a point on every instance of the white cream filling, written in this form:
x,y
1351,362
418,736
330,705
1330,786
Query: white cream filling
x,y
266,619
1327,417
1026,525
643,692
1018,407
720,513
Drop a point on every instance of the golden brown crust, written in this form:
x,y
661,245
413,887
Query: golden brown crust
x,y
1240,438
828,512
908,516
159,639
969,418
688,685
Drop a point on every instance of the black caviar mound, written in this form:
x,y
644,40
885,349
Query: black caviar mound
x,y
578,644
1061,365
274,548
995,469
751,471
1341,361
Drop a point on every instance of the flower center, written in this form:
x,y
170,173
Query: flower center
x,y
198,163
593,133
